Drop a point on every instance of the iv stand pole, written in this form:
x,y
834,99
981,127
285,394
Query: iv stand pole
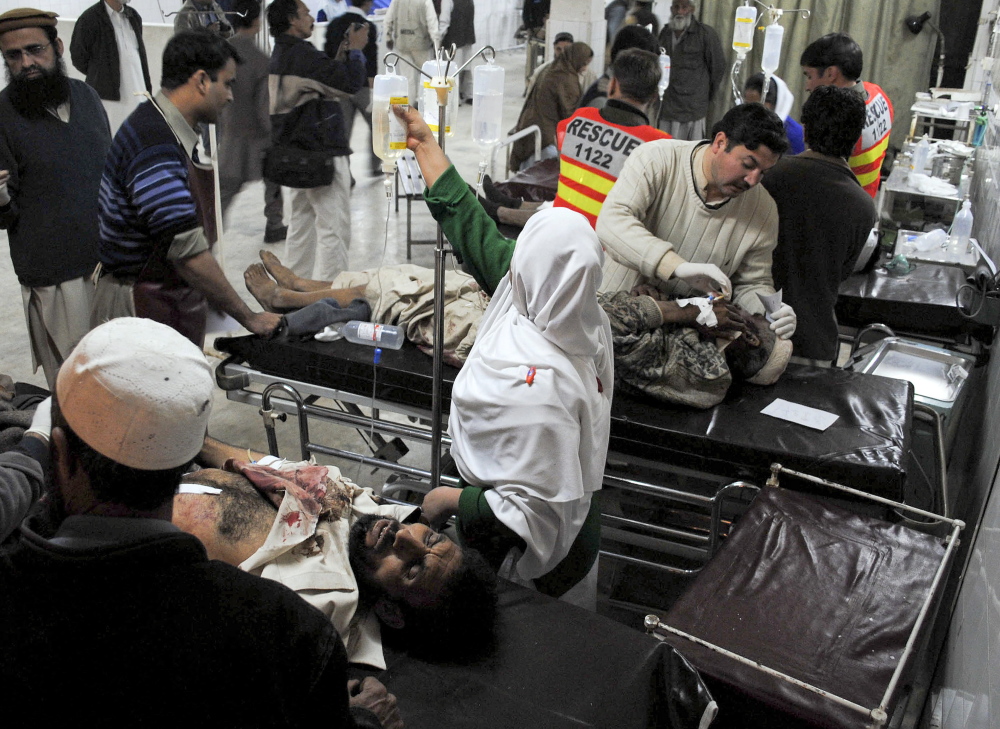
x,y
439,256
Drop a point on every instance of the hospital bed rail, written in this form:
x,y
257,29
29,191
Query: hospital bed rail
x,y
693,541
665,502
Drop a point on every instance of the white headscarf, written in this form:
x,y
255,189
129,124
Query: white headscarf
x,y
785,99
540,446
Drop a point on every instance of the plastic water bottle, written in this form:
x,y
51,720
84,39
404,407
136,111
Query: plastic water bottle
x,y
961,229
374,335
918,162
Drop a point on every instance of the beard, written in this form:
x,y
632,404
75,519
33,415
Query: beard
x,y
680,23
32,97
360,556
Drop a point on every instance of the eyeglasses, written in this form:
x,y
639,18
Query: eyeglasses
x,y
35,51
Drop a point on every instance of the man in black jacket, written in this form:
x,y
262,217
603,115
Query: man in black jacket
x,y
107,40
118,618
824,218
336,30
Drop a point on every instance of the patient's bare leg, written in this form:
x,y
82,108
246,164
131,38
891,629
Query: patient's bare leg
x,y
276,298
286,278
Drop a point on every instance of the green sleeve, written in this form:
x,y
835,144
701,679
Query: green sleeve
x,y
479,528
485,252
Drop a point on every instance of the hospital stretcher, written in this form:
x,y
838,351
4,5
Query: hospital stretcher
x,y
810,615
673,473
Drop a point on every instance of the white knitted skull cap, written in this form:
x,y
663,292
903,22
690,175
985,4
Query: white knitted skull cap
x,y
137,392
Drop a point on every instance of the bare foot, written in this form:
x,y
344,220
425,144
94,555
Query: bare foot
x,y
285,277
260,285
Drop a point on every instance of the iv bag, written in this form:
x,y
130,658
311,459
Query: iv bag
x,y
746,16
429,99
487,104
664,73
772,48
388,133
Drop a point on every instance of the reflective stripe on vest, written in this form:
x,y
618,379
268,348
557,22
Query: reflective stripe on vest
x,y
591,156
866,159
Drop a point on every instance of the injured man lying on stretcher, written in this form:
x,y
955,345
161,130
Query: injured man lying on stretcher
x,y
661,347
364,563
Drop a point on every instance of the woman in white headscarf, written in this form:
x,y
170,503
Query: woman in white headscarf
x,y
531,408
780,100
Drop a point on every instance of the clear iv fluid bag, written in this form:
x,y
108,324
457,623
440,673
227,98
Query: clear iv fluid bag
x,y
772,48
429,97
743,31
388,133
487,104
664,73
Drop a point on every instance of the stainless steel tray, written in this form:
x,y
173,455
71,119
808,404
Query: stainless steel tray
x,y
937,374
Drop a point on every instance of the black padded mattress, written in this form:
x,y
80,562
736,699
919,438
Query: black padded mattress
x,y
867,447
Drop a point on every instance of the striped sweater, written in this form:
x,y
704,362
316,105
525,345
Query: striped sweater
x,y
145,200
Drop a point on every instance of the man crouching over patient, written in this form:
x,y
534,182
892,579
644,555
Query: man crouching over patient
x,y
371,567
109,614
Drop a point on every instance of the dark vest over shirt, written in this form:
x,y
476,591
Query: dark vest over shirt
x,y
52,221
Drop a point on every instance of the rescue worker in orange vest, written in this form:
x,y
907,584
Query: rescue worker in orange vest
x,y
836,60
594,143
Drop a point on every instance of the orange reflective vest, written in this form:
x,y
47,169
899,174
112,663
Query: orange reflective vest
x,y
866,158
592,152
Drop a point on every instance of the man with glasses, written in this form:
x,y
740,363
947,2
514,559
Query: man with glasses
x,y
54,136
697,68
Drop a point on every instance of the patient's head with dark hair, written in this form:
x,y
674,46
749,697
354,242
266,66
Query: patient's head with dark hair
x,y
232,524
753,126
832,120
435,598
637,75
633,36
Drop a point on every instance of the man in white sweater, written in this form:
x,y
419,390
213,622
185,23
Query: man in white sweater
x,y
687,216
